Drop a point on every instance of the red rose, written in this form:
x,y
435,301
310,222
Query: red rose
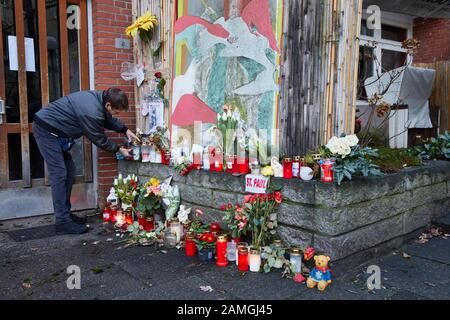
x,y
158,75
278,197
223,207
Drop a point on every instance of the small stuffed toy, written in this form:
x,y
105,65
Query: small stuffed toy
x,y
320,275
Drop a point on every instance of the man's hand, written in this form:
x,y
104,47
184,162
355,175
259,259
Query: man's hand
x,y
125,152
131,136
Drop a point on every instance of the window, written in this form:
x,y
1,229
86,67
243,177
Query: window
x,y
388,53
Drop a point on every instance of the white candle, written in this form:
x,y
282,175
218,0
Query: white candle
x,y
254,260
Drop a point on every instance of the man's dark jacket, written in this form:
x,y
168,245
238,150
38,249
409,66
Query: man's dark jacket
x,y
78,114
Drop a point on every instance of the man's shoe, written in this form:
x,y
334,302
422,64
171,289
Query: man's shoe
x,y
70,228
77,219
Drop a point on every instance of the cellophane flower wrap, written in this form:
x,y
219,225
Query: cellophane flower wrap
x,y
127,189
150,196
170,199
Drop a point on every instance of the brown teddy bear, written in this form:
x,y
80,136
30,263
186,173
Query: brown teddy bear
x,y
320,275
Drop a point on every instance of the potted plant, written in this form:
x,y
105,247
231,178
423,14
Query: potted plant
x,y
205,246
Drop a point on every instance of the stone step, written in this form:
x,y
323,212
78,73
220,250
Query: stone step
x,y
443,222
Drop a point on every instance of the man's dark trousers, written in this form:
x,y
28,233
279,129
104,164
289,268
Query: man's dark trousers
x,y
61,169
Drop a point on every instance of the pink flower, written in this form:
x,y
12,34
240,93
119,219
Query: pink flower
x,y
240,210
241,225
299,278
238,217
199,212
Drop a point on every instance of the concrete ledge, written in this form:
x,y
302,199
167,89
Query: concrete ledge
x,y
338,220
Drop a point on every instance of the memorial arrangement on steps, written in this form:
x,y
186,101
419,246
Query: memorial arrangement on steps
x,y
150,214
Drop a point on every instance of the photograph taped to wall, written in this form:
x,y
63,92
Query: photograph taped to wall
x,y
155,116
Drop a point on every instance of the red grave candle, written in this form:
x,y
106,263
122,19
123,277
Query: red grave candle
x,y
149,224
235,164
141,221
221,250
190,246
229,164
243,259
106,214
327,170
287,168
243,165
113,216
128,218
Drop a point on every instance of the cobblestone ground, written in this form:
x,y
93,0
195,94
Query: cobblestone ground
x,y
36,269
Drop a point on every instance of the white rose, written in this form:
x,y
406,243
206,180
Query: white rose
x,y
120,176
333,145
116,182
224,117
352,140
344,149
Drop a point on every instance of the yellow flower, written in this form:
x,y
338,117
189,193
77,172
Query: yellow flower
x,y
154,182
267,171
145,22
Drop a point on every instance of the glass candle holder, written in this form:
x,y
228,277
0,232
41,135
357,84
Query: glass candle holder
x,y
287,168
197,158
254,259
136,152
235,164
113,216
277,243
326,169
190,245
296,260
243,165
296,167
141,220
106,214
170,239
221,251
128,217
238,246
229,163
231,251
120,218
145,150
149,224
177,228
206,165
243,259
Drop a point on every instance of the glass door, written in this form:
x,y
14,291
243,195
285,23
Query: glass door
x,y
45,56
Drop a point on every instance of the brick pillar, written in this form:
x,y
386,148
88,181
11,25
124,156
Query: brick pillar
x,y
110,18
434,37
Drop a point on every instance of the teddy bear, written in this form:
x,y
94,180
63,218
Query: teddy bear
x,y
320,275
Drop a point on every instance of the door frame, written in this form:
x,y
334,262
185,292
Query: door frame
x,y
24,128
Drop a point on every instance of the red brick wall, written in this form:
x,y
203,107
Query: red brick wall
x,y
434,35
110,18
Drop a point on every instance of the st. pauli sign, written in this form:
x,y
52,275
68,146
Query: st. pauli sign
x,y
256,184
418,8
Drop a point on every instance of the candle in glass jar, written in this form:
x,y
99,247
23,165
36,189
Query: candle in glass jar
x,y
231,251
149,224
177,228
190,245
326,167
229,163
141,221
287,168
221,251
119,217
129,217
206,161
243,259
296,167
254,260
243,165
296,260
113,216
197,157
170,239
106,214
235,164
240,245
218,161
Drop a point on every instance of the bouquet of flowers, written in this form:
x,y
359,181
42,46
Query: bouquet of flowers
x,y
262,218
350,157
126,189
170,199
185,166
144,25
159,140
149,199
237,219
227,123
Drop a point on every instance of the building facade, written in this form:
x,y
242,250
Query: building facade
x,y
52,48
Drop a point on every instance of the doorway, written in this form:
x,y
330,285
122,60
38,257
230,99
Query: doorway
x,y
44,45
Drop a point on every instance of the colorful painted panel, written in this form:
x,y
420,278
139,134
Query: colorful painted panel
x,y
227,52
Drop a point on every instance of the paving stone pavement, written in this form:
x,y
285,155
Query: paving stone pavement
x,y
36,269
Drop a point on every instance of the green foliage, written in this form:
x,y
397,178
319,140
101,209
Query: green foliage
x,y
357,163
437,149
273,257
142,237
392,160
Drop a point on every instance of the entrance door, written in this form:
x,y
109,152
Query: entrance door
x,y
45,56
